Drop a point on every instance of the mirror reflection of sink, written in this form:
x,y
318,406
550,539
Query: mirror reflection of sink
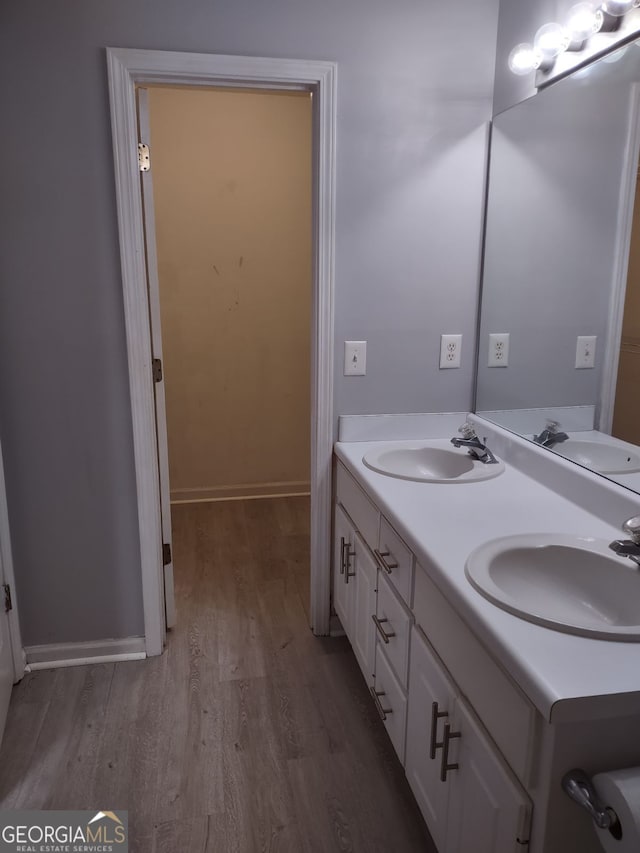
x,y
435,461
601,457
570,583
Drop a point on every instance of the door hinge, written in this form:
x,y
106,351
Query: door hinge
x,y
156,367
166,553
144,157
7,598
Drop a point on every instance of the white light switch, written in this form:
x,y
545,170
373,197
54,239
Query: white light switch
x,y
355,358
586,351
498,349
450,348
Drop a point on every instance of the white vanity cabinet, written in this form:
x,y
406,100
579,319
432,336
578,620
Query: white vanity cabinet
x,y
469,797
354,591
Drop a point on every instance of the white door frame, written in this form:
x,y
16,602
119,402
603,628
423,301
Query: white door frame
x,y
7,575
126,68
626,203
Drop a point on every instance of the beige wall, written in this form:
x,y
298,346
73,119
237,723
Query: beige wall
x,y
626,413
232,187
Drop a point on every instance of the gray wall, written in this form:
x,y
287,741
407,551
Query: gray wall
x,y
415,83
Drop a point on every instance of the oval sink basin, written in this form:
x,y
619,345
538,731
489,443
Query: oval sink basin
x,y
430,462
601,457
570,583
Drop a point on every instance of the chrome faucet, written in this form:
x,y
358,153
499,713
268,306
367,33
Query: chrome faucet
x,y
477,450
550,435
629,547
577,785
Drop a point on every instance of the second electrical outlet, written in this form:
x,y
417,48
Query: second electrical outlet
x,y
450,347
498,349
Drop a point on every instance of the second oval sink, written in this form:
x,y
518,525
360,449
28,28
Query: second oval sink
x,y
570,583
600,456
435,461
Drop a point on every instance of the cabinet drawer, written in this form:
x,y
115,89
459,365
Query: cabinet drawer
x,y
393,621
396,560
505,711
391,701
363,513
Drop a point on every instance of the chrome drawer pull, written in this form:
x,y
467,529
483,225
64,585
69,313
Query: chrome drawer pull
x,y
347,563
386,635
445,766
435,744
380,557
376,698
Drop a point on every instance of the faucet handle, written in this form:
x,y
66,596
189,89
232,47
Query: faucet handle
x,y
553,426
467,430
632,527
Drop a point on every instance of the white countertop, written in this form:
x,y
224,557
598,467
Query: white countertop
x,y
443,523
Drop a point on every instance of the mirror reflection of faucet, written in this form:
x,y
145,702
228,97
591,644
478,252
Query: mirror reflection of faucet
x,y
476,448
550,435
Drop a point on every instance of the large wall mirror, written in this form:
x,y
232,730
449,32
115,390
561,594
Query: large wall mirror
x,y
562,269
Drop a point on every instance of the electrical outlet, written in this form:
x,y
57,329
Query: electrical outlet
x,y
450,347
355,358
498,350
586,351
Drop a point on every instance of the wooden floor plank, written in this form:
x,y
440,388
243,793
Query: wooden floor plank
x,y
247,735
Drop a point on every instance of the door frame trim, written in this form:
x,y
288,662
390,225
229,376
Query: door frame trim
x,y
626,204
7,575
126,69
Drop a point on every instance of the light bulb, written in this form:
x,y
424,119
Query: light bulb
x,y
617,8
584,21
551,40
524,59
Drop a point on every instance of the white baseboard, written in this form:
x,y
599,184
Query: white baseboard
x,y
56,655
240,492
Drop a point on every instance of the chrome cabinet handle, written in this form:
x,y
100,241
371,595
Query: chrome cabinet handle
x,y
348,554
376,698
380,558
444,765
342,544
435,744
386,635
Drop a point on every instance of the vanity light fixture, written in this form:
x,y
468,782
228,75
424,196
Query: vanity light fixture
x,y
584,21
524,59
551,40
618,8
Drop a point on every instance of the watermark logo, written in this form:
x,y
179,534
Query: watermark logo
x,y
64,832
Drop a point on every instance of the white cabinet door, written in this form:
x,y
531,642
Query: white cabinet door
x,y
431,702
488,812
391,701
364,607
344,539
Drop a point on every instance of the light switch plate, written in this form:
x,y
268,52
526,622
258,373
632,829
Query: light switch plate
x,y
586,351
450,349
355,358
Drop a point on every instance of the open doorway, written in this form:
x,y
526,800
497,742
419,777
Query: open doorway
x,y
128,69
231,172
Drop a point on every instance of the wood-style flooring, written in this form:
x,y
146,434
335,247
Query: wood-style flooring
x,y
248,734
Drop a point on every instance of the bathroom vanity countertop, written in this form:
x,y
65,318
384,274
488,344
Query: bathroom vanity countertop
x,y
562,674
